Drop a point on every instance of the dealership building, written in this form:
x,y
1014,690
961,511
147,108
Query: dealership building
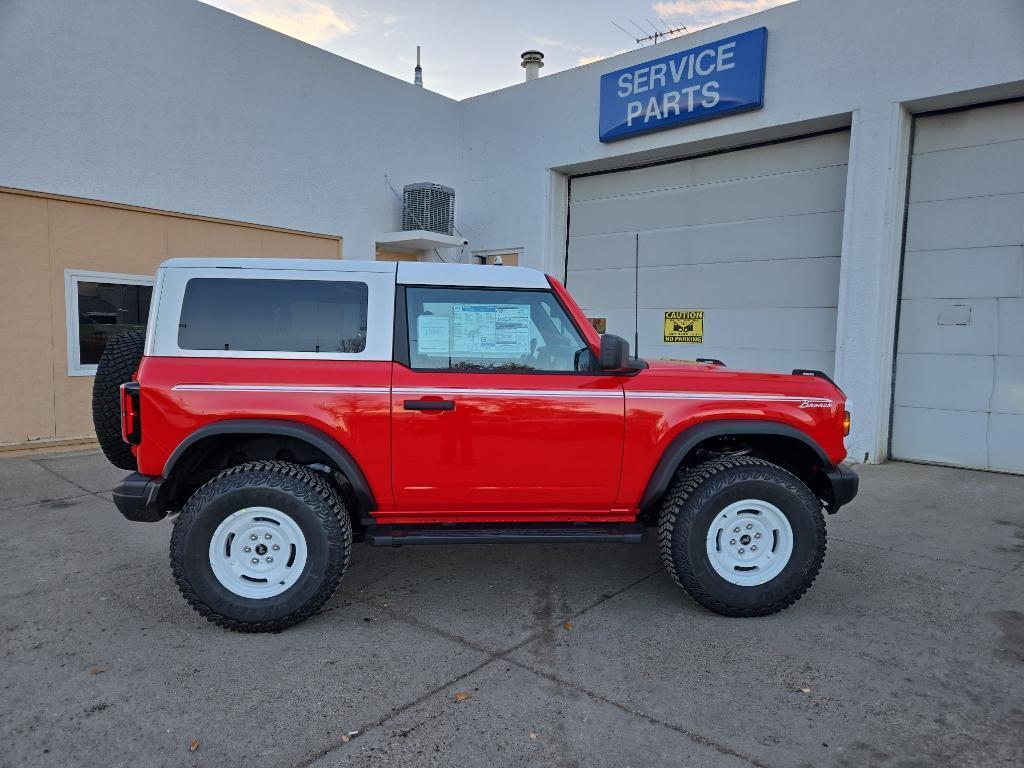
x,y
830,184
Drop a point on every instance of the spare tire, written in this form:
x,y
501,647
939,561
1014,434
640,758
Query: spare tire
x,y
119,361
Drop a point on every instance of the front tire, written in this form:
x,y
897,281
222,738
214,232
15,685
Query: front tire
x,y
262,546
742,536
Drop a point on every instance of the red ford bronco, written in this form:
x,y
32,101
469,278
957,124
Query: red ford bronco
x,y
284,409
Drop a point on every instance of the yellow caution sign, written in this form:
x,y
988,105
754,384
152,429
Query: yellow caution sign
x,y
685,326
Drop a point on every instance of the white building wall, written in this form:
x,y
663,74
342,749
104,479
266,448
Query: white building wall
x,y
176,105
172,104
863,63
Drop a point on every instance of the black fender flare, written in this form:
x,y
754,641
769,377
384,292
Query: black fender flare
x,y
689,438
311,435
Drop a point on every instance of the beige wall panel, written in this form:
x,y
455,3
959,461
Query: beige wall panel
x,y
40,237
285,245
383,254
26,369
102,239
193,237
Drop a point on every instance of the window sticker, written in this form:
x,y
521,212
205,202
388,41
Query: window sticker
x,y
433,336
491,330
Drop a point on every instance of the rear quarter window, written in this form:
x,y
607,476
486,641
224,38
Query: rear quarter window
x,y
259,315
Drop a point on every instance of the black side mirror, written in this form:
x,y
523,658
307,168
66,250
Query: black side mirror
x,y
614,353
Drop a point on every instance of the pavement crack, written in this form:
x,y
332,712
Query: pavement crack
x,y
491,656
39,463
694,736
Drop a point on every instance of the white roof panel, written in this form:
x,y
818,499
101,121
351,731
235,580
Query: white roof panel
x,y
323,265
470,275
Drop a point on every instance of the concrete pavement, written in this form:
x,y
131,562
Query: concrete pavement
x,y
908,651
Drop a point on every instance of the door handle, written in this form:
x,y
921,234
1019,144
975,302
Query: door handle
x,y
429,405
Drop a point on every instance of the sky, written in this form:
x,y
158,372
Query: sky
x,y
471,48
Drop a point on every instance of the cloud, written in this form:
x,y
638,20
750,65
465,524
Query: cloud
x,y
697,14
313,21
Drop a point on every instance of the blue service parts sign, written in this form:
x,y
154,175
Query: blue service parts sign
x,y
714,80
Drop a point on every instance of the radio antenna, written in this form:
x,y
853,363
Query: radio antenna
x,y
636,298
655,37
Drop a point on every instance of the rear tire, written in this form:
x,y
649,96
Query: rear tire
x,y
716,513
119,361
288,519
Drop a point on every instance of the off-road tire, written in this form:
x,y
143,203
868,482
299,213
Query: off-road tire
x,y
120,359
693,500
303,494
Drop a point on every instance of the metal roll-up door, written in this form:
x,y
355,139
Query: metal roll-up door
x,y
750,237
959,393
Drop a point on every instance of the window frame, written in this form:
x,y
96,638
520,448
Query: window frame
x,y
72,277
401,342
171,281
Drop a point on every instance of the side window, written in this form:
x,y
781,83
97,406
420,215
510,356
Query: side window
x,y
466,329
100,306
257,315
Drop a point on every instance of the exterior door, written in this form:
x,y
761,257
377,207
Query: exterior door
x,y
751,237
499,411
959,396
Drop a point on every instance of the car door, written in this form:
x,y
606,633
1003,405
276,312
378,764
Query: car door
x,y
499,411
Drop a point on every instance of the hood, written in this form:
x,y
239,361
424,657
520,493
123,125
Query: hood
x,y
685,374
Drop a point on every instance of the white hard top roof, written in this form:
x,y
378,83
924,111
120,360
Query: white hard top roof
x,y
408,272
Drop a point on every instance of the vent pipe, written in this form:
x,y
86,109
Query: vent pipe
x,y
532,62
418,76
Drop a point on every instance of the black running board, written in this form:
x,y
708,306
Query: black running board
x,y
505,533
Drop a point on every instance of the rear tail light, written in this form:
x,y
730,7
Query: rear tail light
x,y
131,423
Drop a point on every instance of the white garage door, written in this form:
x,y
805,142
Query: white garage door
x,y
959,396
750,237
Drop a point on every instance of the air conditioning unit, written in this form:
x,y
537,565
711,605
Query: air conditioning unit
x,y
428,206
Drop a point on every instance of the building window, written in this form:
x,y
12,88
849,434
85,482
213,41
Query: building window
x,y
100,305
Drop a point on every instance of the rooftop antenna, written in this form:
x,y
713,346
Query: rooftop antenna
x,y
418,76
656,37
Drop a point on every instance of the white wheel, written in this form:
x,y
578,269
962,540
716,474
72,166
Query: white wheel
x,y
258,552
749,542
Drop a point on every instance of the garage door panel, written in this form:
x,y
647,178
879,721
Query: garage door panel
x,y
923,434
601,251
1008,389
825,151
796,328
962,299
603,289
991,169
969,223
969,128
814,191
790,237
949,382
790,283
1011,327
1006,448
930,325
964,272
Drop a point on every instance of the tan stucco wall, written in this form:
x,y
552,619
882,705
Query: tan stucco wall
x,y
40,237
